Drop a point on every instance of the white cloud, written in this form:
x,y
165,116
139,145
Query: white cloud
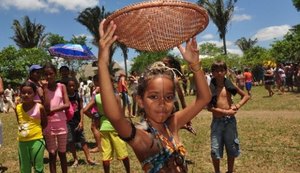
x,y
241,17
235,51
23,5
231,48
237,9
73,5
217,43
207,37
271,32
48,5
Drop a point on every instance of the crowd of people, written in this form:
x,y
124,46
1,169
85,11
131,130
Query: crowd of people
x,y
51,105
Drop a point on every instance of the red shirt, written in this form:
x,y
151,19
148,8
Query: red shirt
x,y
248,76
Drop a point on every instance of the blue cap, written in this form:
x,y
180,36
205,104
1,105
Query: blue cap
x,y
35,67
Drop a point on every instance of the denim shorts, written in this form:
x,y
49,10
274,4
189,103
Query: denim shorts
x,y
224,133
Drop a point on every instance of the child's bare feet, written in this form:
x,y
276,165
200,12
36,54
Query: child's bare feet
x,y
94,150
91,162
75,164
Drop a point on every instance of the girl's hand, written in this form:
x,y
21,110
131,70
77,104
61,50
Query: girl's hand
x,y
190,53
107,38
80,126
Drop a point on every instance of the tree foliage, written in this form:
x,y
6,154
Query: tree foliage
x,y
15,63
210,49
27,34
220,13
245,44
90,18
288,49
297,4
142,61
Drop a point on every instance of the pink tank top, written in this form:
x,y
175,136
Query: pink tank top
x,y
57,123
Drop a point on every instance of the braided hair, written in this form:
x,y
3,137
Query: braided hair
x,y
155,70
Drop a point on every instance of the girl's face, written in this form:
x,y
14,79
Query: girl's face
x,y
50,75
158,99
219,73
71,87
27,94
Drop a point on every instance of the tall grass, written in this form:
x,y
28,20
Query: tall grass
x,y
268,131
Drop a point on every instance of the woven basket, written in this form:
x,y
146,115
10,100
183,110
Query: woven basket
x,y
158,25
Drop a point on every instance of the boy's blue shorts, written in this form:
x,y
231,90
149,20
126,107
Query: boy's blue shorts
x,y
224,133
248,86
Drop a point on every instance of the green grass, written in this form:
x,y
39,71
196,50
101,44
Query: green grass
x,y
268,131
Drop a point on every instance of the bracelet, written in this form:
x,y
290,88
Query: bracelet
x,y
199,64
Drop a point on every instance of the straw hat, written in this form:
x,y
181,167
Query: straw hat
x,y
158,25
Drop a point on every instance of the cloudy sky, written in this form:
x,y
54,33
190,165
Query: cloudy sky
x,y
266,20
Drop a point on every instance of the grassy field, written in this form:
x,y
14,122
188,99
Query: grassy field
x,y
268,130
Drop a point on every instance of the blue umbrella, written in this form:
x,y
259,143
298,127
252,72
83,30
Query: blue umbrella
x,y
71,51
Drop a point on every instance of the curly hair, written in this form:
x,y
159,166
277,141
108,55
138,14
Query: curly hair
x,y
155,70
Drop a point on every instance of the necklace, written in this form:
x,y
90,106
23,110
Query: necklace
x,y
71,95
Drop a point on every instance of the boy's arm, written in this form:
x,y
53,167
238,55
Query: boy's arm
x,y
220,112
244,99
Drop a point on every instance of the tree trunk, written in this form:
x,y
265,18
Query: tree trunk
x,y
224,44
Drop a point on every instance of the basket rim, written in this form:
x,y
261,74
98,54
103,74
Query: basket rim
x,y
153,4
156,4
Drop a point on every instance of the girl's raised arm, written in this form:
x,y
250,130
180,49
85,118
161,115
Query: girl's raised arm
x,y
191,54
111,106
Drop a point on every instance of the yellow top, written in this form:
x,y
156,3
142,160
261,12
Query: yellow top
x,y
30,127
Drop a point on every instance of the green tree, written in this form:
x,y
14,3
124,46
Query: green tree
x,y
53,39
90,18
27,35
15,63
210,49
221,14
297,4
142,61
78,40
124,50
245,44
288,49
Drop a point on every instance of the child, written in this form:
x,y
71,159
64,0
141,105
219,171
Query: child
x,y
34,77
223,127
56,101
75,125
157,147
240,80
92,112
123,90
248,80
31,117
110,141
